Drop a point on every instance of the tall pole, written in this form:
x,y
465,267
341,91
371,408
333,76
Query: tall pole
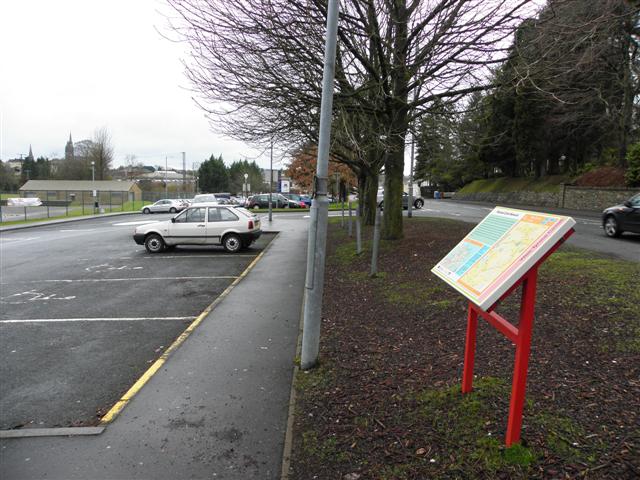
x,y
410,199
184,175
93,186
166,186
314,282
271,182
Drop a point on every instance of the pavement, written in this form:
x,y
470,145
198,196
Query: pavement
x,y
217,407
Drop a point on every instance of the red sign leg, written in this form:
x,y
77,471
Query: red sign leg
x,y
469,350
523,347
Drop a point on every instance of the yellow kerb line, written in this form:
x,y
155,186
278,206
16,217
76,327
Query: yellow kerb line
x,y
146,376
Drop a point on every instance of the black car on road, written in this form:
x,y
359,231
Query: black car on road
x,y
622,218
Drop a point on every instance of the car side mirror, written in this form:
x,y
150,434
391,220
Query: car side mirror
x,y
173,220
628,204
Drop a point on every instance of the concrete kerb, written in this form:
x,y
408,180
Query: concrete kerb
x,y
47,223
288,437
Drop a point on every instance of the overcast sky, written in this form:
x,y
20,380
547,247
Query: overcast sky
x,y
76,65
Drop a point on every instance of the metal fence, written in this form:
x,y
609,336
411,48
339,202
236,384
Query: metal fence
x,y
68,204
60,203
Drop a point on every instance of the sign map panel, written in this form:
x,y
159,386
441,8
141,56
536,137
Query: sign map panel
x,y
500,250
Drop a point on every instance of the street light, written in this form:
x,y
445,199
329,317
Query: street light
x,y
246,185
93,186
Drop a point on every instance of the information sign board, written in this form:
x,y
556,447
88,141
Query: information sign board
x,y
499,251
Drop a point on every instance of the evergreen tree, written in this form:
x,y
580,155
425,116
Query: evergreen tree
x,y
213,175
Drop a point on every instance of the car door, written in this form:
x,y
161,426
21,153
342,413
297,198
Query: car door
x,y
190,227
156,207
220,220
633,217
162,206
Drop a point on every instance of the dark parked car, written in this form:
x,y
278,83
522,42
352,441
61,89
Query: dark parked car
x,y
262,201
622,218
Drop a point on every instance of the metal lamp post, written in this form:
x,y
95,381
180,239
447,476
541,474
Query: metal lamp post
x,y
271,182
93,187
246,186
314,282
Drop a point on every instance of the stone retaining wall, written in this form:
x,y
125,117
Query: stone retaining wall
x,y
568,196
593,198
541,199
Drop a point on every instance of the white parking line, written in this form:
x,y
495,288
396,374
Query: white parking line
x,y
93,280
99,319
137,222
16,240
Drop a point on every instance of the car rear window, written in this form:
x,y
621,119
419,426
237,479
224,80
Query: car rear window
x,y
243,211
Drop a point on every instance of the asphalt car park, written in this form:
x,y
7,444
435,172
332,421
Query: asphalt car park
x,y
85,311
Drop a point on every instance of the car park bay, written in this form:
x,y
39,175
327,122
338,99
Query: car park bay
x,y
85,311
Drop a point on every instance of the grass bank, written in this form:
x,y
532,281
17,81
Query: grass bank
x,y
504,184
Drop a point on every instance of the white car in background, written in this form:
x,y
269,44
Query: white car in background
x,y
234,228
164,206
204,198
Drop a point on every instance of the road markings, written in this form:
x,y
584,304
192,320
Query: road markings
x,y
136,279
136,387
17,240
78,230
138,222
104,267
96,319
34,296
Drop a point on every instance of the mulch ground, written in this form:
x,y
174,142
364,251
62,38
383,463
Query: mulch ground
x,y
385,402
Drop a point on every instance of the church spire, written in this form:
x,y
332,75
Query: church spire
x,y
30,156
68,150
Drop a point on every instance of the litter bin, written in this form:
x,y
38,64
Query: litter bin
x,y
436,195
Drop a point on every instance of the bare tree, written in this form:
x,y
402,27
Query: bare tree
x,y
257,68
101,153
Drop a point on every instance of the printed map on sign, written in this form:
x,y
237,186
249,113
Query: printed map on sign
x,y
502,248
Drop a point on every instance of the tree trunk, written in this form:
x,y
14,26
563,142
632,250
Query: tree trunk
x,y
393,183
367,192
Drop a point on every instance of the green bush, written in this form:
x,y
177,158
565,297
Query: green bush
x,y
632,177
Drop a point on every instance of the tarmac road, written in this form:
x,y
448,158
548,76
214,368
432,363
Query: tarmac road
x,y
84,311
589,234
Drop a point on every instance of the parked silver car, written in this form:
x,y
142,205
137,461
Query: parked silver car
x,y
164,206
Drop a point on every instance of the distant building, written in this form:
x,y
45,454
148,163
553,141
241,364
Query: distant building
x,y
276,174
109,191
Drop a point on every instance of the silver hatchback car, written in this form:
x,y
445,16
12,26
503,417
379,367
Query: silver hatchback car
x,y
164,206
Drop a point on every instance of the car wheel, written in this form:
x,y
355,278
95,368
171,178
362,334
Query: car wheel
x,y
172,210
146,211
611,228
418,204
154,243
256,207
232,243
